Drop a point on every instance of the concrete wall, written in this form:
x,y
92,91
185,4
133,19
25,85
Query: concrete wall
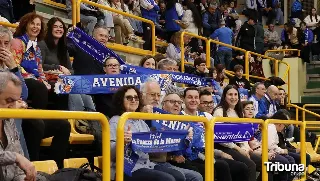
x,y
297,76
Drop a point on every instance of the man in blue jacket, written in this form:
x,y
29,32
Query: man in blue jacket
x,y
224,35
267,106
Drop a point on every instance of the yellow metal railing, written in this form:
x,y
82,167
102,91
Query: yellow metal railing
x,y
283,50
45,114
8,24
153,29
184,33
149,116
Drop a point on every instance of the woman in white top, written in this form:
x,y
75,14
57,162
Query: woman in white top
x,y
230,106
312,19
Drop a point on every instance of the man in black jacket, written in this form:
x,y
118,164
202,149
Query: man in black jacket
x,y
246,35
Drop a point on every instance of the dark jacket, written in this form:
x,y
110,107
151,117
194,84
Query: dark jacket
x,y
210,22
6,10
240,83
20,8
246,37
285,144
83,63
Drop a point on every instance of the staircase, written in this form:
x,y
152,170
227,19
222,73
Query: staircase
x,y
312,91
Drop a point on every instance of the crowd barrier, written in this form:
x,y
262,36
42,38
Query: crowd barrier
x,y
185,33
46,114
209,138
149,116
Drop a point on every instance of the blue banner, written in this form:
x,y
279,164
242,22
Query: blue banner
x,y
130,160
106,84
174,76
223,132
94,48
159,141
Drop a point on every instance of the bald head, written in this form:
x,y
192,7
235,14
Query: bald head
x,y
273,91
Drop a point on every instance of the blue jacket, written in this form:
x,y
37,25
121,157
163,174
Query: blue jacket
x,y
171,15
296,6
151,14
308,35
267,107
225,35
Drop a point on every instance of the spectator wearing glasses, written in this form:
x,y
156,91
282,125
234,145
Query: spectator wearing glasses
x,y
207,103
128,99
83,63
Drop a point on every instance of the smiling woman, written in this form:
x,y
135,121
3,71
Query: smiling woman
x,y
27,55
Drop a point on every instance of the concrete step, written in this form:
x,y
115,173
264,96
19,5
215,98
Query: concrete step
x,y
313,77
313,70
313,84
314,99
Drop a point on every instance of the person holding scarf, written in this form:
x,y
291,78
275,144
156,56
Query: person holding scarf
x,y
150,90
225,166
128,99
230,106
27,54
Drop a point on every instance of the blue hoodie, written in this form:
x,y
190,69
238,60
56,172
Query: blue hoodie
x,y
296,6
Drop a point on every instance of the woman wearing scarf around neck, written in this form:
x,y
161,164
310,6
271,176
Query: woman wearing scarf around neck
x,y
27,55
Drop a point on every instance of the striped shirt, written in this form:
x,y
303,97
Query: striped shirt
x,y
9,171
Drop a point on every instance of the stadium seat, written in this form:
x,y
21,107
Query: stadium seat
x,y
98,162
74,162
75,137
315,157
48,166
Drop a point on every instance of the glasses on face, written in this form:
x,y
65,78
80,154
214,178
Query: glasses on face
x,y
174,102
131,98
205,103
154,95
112,65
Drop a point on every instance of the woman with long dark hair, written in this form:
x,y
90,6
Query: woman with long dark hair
x,y
28,55
55,59
230,106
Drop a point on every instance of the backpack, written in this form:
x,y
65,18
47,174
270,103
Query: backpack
x,y
77,174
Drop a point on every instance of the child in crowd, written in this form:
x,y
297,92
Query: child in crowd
x,y
238,79
217,90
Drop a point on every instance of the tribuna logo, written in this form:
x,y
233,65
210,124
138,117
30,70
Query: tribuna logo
x,y
295,169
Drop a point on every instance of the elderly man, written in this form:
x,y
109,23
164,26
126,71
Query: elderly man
x,y
258,92
267,106
9,65
151,97
13,165
83,63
